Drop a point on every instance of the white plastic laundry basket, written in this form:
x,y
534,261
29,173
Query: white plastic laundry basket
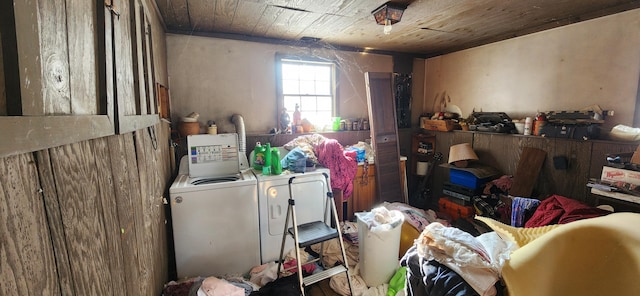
x,y
378,245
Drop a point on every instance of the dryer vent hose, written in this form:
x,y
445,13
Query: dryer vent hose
x,y
242,136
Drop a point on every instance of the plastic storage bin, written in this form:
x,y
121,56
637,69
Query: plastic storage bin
x,y
379,244
466,179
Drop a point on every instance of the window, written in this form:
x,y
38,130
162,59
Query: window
x,y
310,85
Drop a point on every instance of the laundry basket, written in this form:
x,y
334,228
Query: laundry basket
x,y
379,242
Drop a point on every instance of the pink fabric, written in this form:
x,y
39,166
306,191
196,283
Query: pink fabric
x,y
561,210
342,164
308,268
213,286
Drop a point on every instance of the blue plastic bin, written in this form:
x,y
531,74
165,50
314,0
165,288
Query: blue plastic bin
x,y
466,179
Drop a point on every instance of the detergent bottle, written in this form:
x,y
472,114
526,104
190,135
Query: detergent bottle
x,y
266,167
276,165
258,156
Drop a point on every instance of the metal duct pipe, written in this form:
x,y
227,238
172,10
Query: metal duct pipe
x,y
242,136
242,140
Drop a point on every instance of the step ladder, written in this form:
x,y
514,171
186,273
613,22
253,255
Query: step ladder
x,y
310,234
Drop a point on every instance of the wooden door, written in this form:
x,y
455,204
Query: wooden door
x,y
384,135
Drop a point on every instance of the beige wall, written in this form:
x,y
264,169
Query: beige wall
x,y
567,68
220,77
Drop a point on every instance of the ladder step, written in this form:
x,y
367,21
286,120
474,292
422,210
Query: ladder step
x,y
325,274
314,232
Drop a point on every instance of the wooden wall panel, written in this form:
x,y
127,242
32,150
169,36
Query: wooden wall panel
x,y
79,195
151,190
123,59
110,218
27,264
54,217
498,151
572,181
137,34
125,185
81,24
43,57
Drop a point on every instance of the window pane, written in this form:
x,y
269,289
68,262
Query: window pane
x,y
290,87
290,103
308,71
324,104
308,84
323,73
323,87
290,71
307,87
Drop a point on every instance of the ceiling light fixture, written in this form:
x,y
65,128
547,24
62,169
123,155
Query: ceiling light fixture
x,y
388,14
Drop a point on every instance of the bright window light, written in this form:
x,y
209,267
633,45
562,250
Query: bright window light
x,y
310,85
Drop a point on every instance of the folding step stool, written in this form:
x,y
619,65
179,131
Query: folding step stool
x,y
310,234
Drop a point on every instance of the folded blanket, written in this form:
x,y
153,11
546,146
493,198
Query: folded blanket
x,y
561,210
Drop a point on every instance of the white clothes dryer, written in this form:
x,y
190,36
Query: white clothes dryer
x,y
310,193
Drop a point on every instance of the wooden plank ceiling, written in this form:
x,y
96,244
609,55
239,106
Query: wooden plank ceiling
x,y
428,27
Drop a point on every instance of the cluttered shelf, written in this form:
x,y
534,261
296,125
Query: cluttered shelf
x,y
566,169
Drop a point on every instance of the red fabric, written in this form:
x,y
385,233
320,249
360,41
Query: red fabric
x,y
342,164
561,210
308,268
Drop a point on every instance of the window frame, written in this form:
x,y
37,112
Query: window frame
x,y
279,85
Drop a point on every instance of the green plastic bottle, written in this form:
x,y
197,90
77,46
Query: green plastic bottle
x,y
258,156
276,166
266,167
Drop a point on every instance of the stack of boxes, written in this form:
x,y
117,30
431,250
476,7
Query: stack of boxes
x,y
459,192
466,180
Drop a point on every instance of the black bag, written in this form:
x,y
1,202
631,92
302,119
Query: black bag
x,y
496,122
570,131
571,125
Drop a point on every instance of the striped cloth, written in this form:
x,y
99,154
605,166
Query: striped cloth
x,y
520,206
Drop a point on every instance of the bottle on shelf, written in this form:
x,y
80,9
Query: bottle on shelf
x,y
297,120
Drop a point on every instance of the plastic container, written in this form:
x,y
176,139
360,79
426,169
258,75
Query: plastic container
x,y
379,245
335,123
528,124
466,179
266,167
258,156
276,165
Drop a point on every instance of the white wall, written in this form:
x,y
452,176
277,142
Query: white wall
x,y
562,69
220,77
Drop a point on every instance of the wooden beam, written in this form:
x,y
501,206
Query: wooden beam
x,y
31,133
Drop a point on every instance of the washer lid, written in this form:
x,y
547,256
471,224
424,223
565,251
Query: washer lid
x,y
213,155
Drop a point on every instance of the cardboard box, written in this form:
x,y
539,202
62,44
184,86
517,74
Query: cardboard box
x,y
443,125
611,174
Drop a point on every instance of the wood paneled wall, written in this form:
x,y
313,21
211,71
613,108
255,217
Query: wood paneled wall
x,y
86,218
503,151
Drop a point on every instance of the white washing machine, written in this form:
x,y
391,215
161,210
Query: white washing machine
x,y
310,192
214,210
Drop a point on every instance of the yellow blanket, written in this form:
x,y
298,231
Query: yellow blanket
x,y
597,256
